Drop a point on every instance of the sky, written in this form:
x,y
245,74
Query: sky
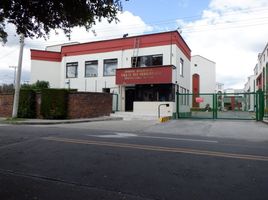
x,y
230,33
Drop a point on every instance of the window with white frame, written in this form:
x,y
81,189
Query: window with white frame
x,y
109,67
91,68
71,70
147,61
181,67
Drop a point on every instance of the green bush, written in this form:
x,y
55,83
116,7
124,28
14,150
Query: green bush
x,y
38,85
27,108
54,103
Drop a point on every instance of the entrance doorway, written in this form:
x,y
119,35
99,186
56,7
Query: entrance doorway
x,y
130,98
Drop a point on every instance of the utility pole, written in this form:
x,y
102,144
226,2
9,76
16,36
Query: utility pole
x,y
15,72
18,77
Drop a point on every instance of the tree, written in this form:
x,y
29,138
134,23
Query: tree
x,y
38,85
35,18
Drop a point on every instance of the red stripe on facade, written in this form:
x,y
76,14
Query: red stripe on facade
x,y
45,55
150,40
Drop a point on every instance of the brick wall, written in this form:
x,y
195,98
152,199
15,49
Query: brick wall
x,y
89,104
80,105
6,105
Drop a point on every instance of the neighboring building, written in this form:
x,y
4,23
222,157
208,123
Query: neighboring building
x,y
233,99
144,71
250,88
219,89
203,75
261,70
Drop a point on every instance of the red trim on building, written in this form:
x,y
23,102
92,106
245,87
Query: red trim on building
x,y
150,40
45,55
144,75
196,88
259,81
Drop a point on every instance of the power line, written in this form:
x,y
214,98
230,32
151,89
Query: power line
x,y
12,51
188,29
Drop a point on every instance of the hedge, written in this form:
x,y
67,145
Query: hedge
x,y
54,103
27,108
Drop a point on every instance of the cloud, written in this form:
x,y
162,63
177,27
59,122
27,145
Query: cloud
x,y
128,23
231,33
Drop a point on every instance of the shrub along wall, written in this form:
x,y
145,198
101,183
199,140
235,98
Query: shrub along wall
x,y
59,104
54,103
27,108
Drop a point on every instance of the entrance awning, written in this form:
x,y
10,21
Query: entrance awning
x,y
144,75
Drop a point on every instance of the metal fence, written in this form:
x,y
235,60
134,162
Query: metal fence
x,y
242,106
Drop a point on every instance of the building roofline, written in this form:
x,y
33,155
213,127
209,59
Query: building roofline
x,y
204,58
134,36
263,51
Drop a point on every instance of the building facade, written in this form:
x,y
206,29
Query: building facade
x,y
250,89
203,76
261,70
143,71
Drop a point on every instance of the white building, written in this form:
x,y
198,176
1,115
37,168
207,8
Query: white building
x,y
144,71
250,88
261,70
219,87
203,76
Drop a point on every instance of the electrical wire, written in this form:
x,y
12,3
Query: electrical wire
x,y
9,53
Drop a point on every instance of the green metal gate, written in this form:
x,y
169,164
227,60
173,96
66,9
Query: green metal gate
x,y
241,106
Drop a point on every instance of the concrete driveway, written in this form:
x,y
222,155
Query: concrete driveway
x,y
232,129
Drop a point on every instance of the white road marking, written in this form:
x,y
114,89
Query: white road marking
x,y
116,135
180,139
128,135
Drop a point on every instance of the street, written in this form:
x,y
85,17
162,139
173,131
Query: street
x,y
135,160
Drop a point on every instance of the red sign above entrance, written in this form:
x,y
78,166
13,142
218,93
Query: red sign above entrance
x,y
144,75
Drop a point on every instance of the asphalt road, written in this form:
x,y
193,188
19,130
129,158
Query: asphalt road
x,y
80,163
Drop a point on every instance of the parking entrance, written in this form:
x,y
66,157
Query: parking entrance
x,y
241,106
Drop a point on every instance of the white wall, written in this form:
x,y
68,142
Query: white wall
x,y
151,108
207,73
57,75
46,71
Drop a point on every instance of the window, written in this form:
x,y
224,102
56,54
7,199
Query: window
x,y
147,61
71,70
106,90
91,68
181,67
109,67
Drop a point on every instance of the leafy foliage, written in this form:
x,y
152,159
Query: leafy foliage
x,y
54,103
39,85
27,108
7,88
35,18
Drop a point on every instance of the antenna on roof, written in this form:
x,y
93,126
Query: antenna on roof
x,y
179,30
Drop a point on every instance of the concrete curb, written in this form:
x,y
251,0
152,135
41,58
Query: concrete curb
x,y
51,122
265,121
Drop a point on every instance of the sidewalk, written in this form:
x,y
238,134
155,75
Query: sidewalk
x,y
50,121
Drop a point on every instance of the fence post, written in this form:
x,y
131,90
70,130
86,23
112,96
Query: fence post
x,y
177,105
215,96
260,105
